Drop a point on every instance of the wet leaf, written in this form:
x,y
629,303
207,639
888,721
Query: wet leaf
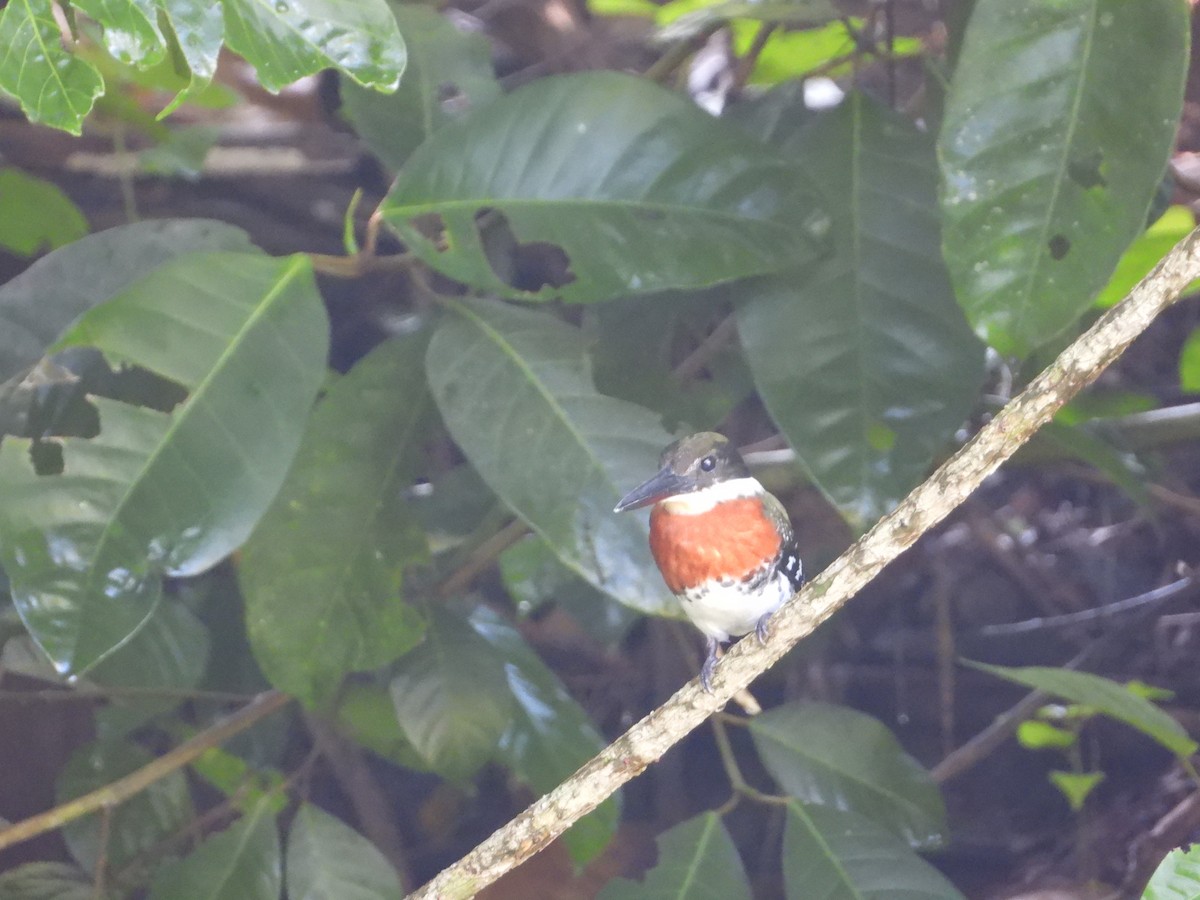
x,y
287,39
556,451
635,190
324,567
835,756
53,85
1058,125
164,493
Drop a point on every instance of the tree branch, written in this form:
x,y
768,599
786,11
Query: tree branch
x,y
925,507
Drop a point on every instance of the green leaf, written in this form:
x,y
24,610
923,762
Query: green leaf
x,y
696,861
1035,735
635,190
835,756
1177,877
164,493
287,39
1076,786
449,74
831,854
1112,699
793,54
241,863
1057,127
53,85
135,825
199,30
329,860
865,362
37,215
131,33
451,697
38,305
681,23
1145,252
550,735
556,451
324,567
169,652
47,881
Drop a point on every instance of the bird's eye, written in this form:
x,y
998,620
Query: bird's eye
x,y
708,463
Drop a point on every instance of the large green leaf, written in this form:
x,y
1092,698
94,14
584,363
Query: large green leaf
x,y
514,389
156,492
1105,696
550,736
324,566
1177,877
696,861
137,824
241,863
608,186
830,854
864,361
1058,124
449,74
451,697
329,860
287,39
52,84
835,756
38,305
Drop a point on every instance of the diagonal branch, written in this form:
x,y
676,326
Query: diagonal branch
x,y
924,508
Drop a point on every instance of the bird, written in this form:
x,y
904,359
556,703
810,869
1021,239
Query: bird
x,y
724,545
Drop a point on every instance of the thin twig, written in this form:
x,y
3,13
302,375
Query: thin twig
x,y
644,743
745,65
122,789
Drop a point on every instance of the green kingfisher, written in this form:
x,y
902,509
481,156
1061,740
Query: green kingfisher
x,y
723,544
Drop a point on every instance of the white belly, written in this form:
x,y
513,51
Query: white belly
x,y
727,611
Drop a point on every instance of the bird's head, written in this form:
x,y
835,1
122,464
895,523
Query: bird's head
x,y
701,464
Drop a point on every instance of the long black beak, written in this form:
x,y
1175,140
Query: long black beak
x,y
665,484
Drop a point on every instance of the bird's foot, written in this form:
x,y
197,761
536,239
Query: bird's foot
x,y
762,627
713,646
